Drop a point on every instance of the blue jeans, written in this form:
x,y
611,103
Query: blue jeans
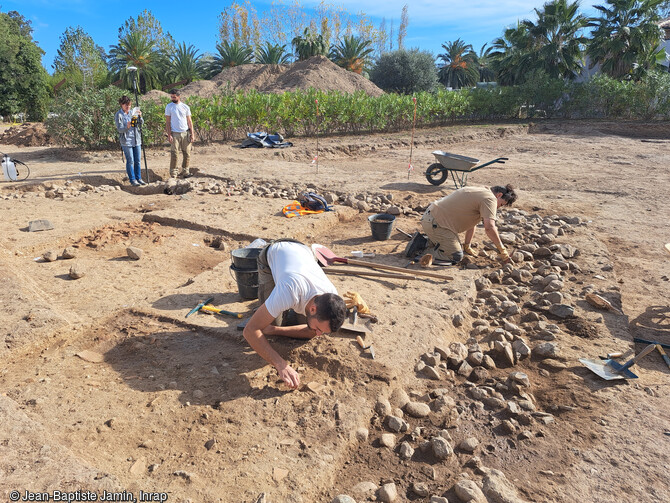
x,y
133,162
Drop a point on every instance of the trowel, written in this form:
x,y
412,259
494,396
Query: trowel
x,y
610,369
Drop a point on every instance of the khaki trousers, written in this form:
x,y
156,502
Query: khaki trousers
x,y
180,142
442,243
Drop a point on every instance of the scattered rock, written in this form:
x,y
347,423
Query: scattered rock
x,y
362,434
469,492
431,373
406,451
387,493
399,398
69,252
364,490
39,225
417,409
77,271
545,350
562,310
497,488
343,498
420,489
457,320
383,406
441,448
469,444
387,440
50,256
134,252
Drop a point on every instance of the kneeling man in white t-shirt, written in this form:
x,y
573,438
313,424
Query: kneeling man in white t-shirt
x,y
290,279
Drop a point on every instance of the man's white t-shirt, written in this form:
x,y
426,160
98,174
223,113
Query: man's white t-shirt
x,y
178,113
297,277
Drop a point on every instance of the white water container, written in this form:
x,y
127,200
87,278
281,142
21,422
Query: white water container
x,y
9,169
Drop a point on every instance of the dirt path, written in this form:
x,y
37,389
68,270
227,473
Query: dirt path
x,y
182,406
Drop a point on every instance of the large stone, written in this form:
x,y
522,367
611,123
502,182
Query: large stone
x,y
545,350
431,373
406,451
343,498
441,447
562,310
469,444
469,492
387,493
399,398
39,225
498,489
50,256
69,252
134,253
420,489
396,424
387,440
383,406
364,490
521,348
464,369
77,271
417,409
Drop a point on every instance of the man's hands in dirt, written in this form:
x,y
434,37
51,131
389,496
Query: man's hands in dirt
x,y
288,375
352,299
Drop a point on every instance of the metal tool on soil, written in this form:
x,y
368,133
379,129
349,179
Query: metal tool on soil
x,y
353,325
610,369
369,347
659,347
211,309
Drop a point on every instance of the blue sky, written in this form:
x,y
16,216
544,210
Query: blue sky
x,y
431,22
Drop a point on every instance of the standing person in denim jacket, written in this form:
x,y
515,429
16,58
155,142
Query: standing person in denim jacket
x,y
131,140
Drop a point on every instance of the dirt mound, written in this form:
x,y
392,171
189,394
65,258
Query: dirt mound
x,y
201,88
321,73
317,72
27,135
245,77
155,95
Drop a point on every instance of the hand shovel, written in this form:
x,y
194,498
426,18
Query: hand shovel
x,y
610,369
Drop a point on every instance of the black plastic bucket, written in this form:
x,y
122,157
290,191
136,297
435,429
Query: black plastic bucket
x,y
247,282
245,258
381,225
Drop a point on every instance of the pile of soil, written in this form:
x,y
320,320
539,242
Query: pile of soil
x,y
155,95
201,88
26,135
317,72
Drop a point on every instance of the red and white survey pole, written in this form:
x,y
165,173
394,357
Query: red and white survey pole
x,y
410,168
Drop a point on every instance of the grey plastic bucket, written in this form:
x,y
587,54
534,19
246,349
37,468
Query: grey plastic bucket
x,y
247,282
381,225
245,258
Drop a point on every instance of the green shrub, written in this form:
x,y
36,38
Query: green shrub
x,y
405,71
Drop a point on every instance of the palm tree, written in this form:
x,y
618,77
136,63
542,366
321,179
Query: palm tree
x,y
459,67
483,62
185,64
512,57
351,53
626,38
308,45
230,54
272,54
136,49
557,38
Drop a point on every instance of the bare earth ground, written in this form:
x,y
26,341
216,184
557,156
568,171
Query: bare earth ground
x,y
184,407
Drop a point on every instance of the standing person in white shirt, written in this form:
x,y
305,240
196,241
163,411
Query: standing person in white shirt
x,y
179,130
289,278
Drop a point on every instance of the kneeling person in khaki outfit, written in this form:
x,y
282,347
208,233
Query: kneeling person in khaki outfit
x,y
289,279
461,211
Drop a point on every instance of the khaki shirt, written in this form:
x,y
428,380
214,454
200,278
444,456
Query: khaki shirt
x,y
464,208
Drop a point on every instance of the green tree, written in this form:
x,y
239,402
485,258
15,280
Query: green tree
x,y
185,64
459,65
352,53
150,28
512,55
404,71
309,44
230,54
626,39
557,39
136,49
483,62
23,79
272,54
79,61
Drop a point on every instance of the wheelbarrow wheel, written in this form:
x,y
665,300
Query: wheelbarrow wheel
x,y
436,174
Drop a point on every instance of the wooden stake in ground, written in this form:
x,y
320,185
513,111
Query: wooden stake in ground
x,y
411,143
